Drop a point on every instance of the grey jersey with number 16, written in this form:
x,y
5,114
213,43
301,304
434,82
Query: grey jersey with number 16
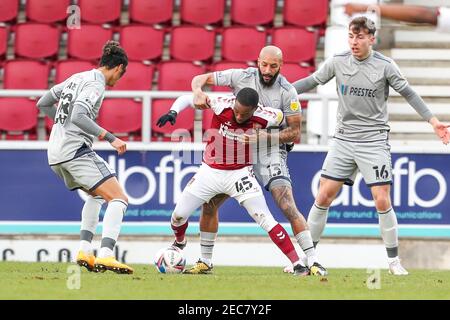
x,y
81,90
363,90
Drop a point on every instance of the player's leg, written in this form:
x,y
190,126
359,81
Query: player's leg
x,y
206,187
199,190
388,226
209,225
93,174
374,162
318,214
272,170
258,210
186,205
86,172
112,192
243,186
89,221
338,168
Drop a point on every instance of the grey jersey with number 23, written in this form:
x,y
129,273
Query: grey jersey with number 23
x,y
86,90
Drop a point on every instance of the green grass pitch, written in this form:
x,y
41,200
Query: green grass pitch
x,y
50,281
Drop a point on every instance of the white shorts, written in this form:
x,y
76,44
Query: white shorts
x,y
208,182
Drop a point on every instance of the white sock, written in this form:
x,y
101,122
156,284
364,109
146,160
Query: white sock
x,y
86,246
207,240
305,241
317,219
89,221
105,252
111,225
389,231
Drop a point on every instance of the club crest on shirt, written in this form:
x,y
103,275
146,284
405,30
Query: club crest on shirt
x,y
373,77
295,105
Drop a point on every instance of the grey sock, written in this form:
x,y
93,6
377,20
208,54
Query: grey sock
x,y
86,235
108,243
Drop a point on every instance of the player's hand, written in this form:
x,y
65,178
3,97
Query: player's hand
x,y
441,130
201,100
170,116
352,8
120,146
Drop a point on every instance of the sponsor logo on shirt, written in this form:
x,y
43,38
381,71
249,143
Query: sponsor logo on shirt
x,y
358,92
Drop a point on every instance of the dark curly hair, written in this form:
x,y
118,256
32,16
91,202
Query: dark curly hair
x,y
113,55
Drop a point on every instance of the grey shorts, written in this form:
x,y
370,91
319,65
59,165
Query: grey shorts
x,y
372,159
86,172
271,169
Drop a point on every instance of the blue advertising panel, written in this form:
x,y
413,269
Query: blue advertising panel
x,y
30,191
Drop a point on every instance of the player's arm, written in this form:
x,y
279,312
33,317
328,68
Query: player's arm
x,y
399,83
47,102
181,103
305,84
292,132
421,108
292,113
80,117
406,13
201,100
324,74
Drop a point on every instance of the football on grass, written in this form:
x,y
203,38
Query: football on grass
x,y
170,260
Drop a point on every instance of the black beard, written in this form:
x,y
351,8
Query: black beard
x,y
271,82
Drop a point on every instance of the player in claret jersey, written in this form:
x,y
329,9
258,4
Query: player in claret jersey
x,y
227,167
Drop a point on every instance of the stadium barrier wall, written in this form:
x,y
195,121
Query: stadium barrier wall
x,y
35,201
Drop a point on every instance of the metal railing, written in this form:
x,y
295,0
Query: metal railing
x,y
148,96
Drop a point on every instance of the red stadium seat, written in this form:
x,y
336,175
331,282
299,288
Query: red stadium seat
x,y
202,12
177,76
65,69
3,42
87,43
293,71
305,13
298,45
190,43
18,119
242,44
225,65
36,41
252,13
9,10
100,11
139,76
22,74
151,11
46,11
122,117
142,42
185,121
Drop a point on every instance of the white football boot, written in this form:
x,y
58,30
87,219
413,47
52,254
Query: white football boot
x,y
395,267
